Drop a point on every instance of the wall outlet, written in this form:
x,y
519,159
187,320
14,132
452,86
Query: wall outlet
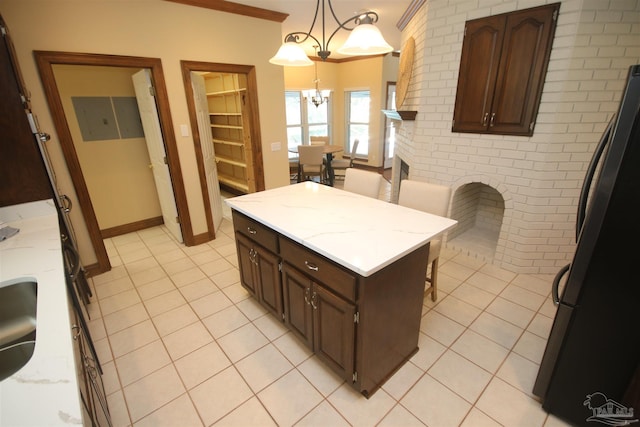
x,y
276,146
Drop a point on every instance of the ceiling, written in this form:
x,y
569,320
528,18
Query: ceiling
x,y
301,16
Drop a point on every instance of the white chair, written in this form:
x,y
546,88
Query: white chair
x,y
433,199
341,165
319,140
363,182
310,162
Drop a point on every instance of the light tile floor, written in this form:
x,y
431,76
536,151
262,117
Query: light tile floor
x,y
183,344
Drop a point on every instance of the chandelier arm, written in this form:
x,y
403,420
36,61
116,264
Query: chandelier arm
x,y
293,37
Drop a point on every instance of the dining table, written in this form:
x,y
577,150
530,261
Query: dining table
x,y
328,150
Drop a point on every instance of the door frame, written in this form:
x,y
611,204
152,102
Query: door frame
x,y
254,120
45,61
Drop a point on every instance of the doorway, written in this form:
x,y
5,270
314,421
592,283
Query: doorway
x,y
47,62
226,131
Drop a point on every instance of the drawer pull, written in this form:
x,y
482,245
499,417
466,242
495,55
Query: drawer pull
x,y
311,266
252,230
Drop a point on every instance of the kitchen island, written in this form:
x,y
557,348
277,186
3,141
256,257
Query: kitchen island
x,y
344,272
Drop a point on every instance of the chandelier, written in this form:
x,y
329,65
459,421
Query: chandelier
x,y
365,38
318,97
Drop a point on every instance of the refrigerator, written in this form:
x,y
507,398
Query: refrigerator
x,y
593,351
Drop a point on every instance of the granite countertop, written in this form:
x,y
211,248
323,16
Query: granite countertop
x,y
45,391
360,233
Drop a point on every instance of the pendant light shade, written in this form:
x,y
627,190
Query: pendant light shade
x,y
365,39
292,55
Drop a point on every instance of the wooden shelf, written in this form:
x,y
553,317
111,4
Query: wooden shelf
x,y
226,126
226,92
233,183
228,142
231,162
400,115
226,114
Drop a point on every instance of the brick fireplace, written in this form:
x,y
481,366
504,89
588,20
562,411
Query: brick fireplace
x,y
515,198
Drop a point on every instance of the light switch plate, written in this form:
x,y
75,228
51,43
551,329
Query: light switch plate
x,y
275,146
184,130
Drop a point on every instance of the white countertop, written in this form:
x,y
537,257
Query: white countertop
x,y
360,233
45,391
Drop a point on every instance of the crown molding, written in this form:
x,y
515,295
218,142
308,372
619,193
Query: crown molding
x,y
237,8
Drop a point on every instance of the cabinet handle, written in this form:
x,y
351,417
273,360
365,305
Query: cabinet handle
x,y
493,117
314,298
65,203
311,266
77,331
252,230
306,296
252,255
484,120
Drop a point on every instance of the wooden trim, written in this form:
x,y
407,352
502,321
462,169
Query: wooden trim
x,y
94,270
256,139
199,239
236,8
45,61
131,227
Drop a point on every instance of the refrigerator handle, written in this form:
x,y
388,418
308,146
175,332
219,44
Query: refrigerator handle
x,y
591,170
556,284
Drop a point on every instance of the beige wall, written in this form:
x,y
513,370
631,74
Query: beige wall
x,y
360,74
157,29
116,171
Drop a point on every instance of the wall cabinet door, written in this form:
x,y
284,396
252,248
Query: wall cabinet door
x,y
260,273
502,70
324,321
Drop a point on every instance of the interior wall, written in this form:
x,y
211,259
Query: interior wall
x,y
110,166
539,177
156,29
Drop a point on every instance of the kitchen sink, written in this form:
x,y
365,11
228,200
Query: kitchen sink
x,y
18,300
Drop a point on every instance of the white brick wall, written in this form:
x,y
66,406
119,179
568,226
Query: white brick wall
x,y
538,177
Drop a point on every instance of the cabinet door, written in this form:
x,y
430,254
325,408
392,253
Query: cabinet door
x,y
523,64
333,330
297,303
478,69
502,69
246,257
270,285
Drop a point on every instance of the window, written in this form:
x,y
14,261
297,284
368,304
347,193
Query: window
x,y
304,119
357,113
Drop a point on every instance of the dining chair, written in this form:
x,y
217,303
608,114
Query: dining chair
x,y
363,182
319,140
310,162
341,165
433,199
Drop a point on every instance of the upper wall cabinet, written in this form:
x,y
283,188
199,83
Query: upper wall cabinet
x,y
502,69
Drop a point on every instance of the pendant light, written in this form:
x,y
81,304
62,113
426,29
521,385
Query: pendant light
x,y
365,38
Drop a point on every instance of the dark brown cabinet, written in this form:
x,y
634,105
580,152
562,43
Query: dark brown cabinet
x,y
260,273
259,262
95,410
502,69
323,320
23,177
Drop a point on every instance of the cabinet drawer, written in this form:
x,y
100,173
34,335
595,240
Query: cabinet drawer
x,y
255,231
320,269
